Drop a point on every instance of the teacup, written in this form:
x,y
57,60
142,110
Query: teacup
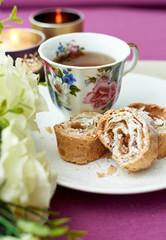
x,y
85,88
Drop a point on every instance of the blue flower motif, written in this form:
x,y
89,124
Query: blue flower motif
x,y
69,109
69,79
60,48
64,71
52,95
59,104
56,75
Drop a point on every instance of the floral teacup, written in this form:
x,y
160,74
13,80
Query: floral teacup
x,y
93,88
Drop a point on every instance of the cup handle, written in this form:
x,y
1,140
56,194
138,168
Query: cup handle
x,y
134,58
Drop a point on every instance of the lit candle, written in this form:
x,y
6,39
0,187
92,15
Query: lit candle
x,y
23,43
58,16
58,21
20,41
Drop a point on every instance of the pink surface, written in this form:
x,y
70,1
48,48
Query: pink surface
x,y
142,26
114,217
53,3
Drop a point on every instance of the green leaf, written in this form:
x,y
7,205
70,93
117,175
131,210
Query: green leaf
x,y
13,16
22,94
14,11
80,49
17,20
32,227
10,228
106,69
1,27
75,234
57,232
18,110
15,226
42,83
39,229
92,79
60,74
74,89
58,222
3,123
6,213
3,106
42,210
7,25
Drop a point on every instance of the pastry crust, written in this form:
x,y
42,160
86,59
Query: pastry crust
x,y
77,138
131,137
158,114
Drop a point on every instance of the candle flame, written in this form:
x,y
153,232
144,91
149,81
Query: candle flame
x,y
58,17
14,37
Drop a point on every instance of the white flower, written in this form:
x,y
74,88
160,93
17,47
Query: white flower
x,y
23,237
30,180
3,57
13,79
62,89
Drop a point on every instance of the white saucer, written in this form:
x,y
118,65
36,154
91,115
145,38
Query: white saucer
x,y
95,176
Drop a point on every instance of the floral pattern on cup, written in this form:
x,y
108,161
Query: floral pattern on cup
x,y
106,89
69,50
61,85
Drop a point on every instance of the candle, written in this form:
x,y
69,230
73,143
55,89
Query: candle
x,y
23,43
53,22
20,41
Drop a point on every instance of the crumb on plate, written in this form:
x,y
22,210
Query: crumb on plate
x,y
49,129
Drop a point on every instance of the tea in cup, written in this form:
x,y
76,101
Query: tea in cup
x,y
84,71
84,59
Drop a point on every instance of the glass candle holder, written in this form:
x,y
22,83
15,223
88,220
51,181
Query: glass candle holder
x,y
53,22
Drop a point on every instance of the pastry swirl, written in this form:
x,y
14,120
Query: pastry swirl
x,y
77,138
158,114
130,136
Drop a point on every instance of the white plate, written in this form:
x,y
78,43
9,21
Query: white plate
x,y
94,176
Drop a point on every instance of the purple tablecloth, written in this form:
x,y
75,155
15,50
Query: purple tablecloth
x,y
114,217
117,217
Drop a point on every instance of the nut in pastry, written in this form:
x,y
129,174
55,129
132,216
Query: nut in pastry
x,y
77,138
130,136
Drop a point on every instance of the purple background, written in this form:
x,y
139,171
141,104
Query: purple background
x,y
144,26
113,217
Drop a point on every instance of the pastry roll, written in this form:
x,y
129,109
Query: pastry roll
x,y
77,138
130,136
158,114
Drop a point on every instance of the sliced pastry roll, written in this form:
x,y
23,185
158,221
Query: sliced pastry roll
x,y
158,114
77,138
130,136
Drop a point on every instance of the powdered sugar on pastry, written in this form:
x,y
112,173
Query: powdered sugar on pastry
x,y
158,115
77,138
130,136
